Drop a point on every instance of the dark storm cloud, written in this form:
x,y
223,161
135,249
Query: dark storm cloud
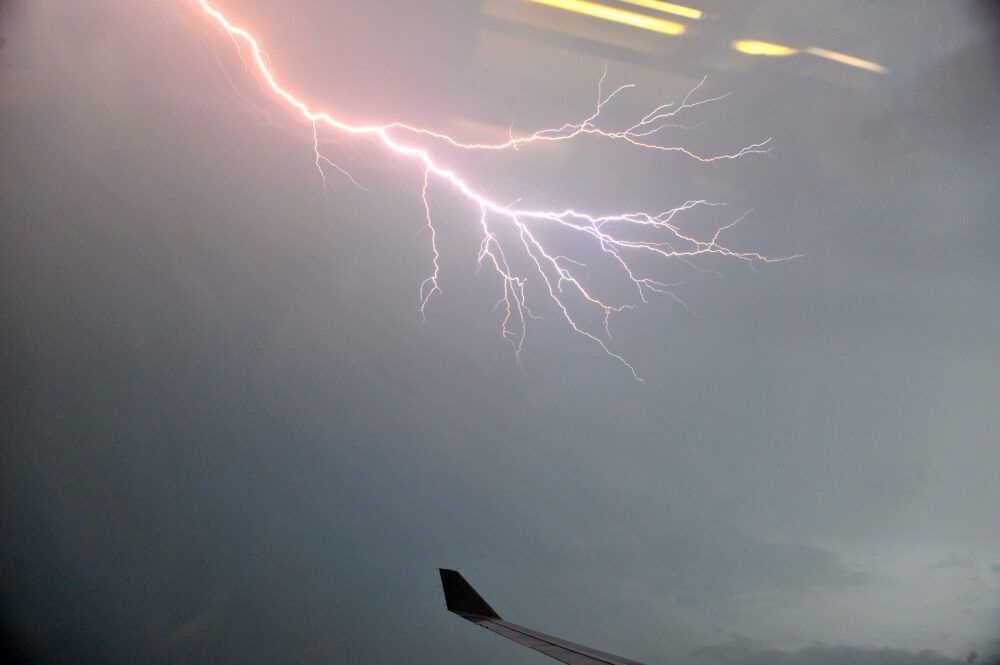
x,y
228,436
951,562
746,652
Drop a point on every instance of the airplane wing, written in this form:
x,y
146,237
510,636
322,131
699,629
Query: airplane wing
x,y
464,601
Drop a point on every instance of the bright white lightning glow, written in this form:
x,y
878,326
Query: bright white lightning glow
x,y
560,278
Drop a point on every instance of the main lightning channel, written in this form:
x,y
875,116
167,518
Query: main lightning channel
x,y
560,276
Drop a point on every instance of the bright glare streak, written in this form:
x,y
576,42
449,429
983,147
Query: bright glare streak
x,y
849,60
616,15
516,241
669,8
754,47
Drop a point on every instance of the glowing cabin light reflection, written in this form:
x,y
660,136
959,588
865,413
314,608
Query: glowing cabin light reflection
x,y
669,8
849,60
754,47
616,15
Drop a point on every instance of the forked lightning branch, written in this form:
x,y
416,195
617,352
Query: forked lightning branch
x,y
515,241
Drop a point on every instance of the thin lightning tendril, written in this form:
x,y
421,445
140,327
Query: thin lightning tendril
x,y
560,276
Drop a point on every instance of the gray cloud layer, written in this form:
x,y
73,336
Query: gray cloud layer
x,y
229,437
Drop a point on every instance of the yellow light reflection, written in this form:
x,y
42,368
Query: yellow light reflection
x,y
669,8
849,60
754,47
616,15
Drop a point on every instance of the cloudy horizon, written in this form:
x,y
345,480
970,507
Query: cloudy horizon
x,y
230,435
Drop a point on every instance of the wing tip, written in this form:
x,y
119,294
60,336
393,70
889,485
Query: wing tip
x,y
462,599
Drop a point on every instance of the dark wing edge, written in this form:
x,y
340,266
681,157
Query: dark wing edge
x,y
462,599
466,602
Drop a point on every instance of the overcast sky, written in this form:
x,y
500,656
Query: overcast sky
x,y
229,436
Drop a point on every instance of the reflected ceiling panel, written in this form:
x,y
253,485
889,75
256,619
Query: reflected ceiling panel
x,y
755,47
616,15
669,8
849,60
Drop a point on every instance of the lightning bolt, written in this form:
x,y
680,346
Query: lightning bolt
x,y
508,229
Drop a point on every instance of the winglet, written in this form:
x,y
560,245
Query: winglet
x,y
462,599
